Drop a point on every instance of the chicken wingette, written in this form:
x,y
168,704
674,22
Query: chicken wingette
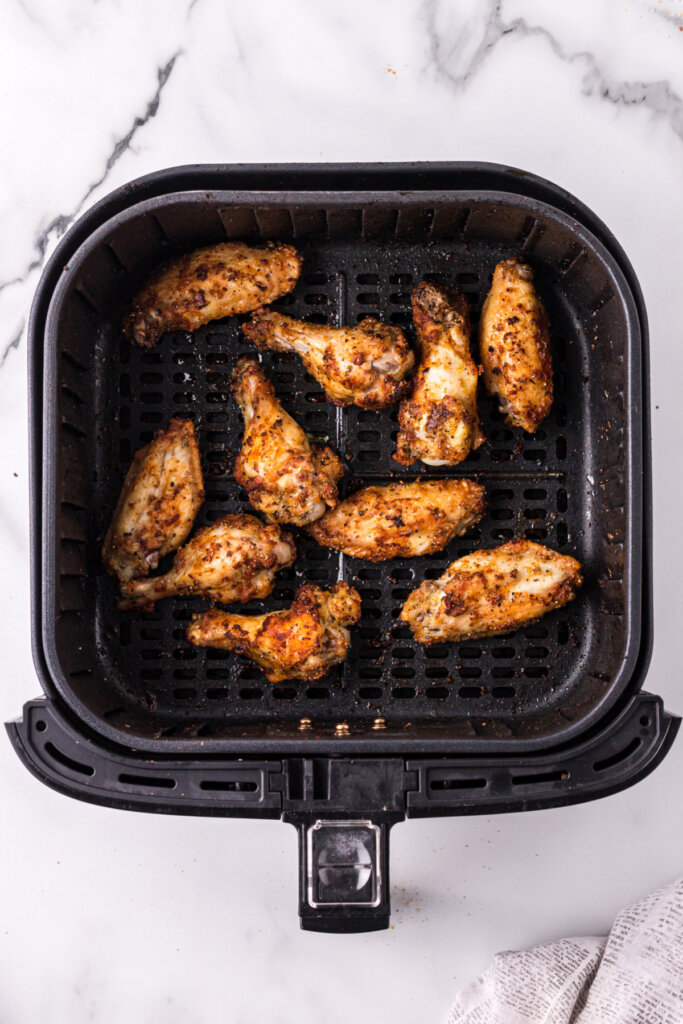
x,y
161,496
491,592
286,478
300,642
401,520
234,559
210,283
514,346
366,365
438,419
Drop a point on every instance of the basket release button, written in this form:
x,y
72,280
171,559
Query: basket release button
x,y
343,864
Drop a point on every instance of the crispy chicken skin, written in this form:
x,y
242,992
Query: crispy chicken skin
x,y
235,559
210,283
286,478
401,520
301,642
364,365
491,592
514,346
161,496
438,419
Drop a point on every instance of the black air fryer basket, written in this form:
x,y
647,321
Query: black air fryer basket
x,y
133,716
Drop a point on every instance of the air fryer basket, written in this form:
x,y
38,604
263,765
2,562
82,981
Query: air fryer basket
x,y
574,485
133,717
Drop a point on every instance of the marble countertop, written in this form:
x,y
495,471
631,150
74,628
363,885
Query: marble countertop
x,y
108,916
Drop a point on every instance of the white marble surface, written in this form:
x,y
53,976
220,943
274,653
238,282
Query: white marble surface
x,y
108,916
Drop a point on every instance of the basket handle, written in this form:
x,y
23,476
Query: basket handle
x,y
344,875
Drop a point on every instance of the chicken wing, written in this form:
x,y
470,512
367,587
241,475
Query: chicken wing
x,y
492,592
210,283
301,642
401,520
514,346
234,559
438,420
286,478
364,365
161,496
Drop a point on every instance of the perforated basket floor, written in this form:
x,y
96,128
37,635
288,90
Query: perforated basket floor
x,y
570,486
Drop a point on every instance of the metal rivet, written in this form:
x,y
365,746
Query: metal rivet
x,y
304,723
341,729
379,723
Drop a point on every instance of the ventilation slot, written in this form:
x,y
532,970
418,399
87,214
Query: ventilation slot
x,y
185,693
217,693
369,692
609,762
538,777
251,693
68,762
228,786
147,781
470,691
284,692
442,784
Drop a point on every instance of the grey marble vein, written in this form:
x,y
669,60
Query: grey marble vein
x,y
658,97
59,224
14,343
673,19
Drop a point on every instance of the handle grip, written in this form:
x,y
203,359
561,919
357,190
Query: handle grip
x,y
344,875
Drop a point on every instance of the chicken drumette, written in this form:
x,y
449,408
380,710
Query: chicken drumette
x,y
401,520
217,281
491,592
286,478
234,559
514,346
161,496
301,642
364,365
438,420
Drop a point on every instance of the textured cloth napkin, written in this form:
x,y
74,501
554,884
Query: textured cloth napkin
x,y
633,976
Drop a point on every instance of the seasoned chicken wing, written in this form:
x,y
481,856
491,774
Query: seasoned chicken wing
x,y
161,496
438,419
364,365
491,592
234,559
210,283
286,478
301,642
514,346
401,520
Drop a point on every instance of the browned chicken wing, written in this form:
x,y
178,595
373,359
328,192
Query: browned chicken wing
x,y
286,478
364,365
234,559
401,520
438,419
514,346
491,592
210,283
161,496
301,642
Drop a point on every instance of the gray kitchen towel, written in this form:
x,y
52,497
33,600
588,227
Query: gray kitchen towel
x,y
633,976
